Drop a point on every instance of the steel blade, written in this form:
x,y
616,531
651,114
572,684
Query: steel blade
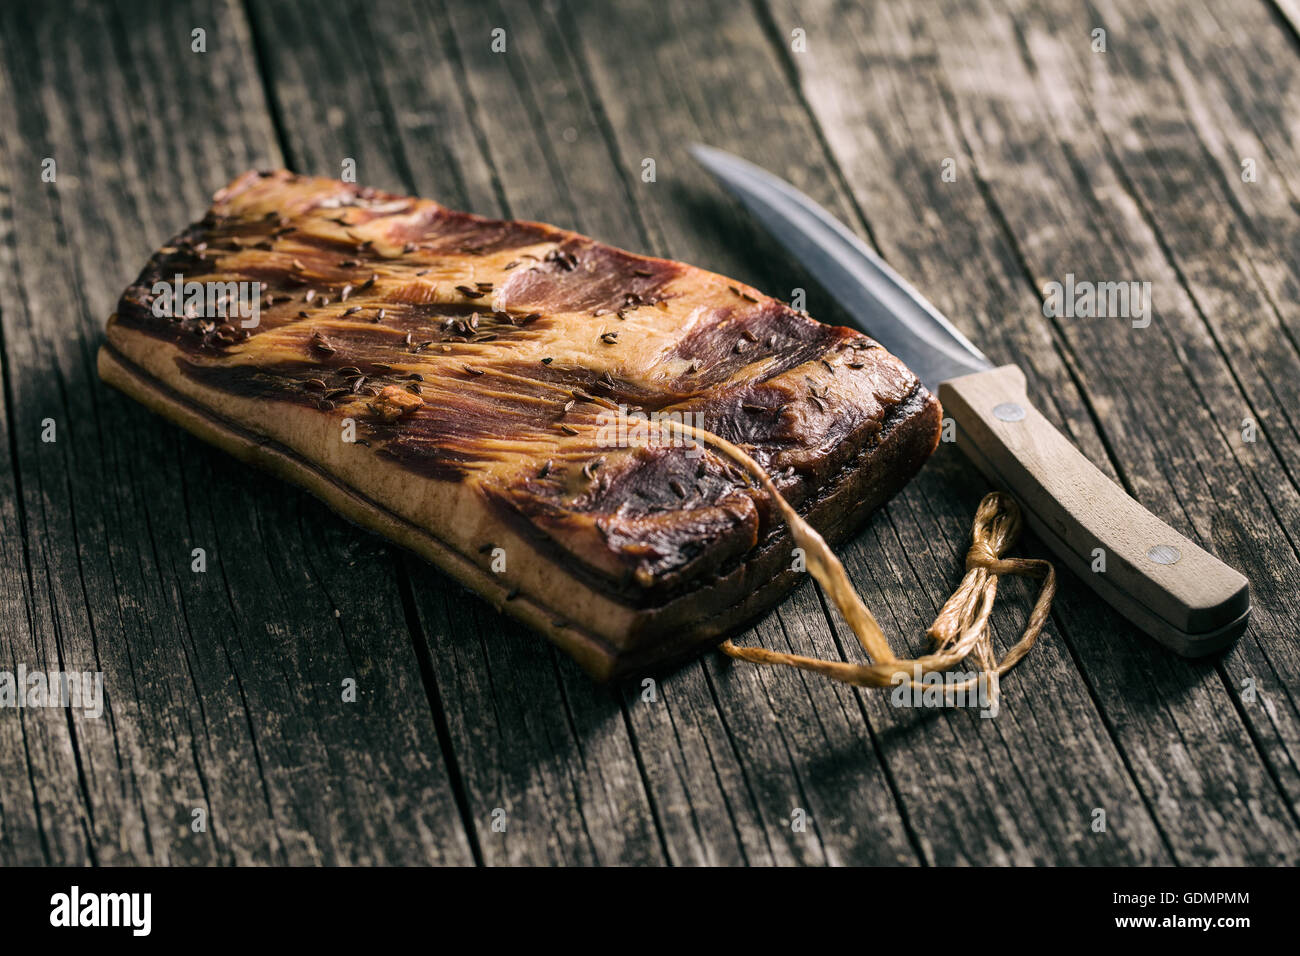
x,y
886,306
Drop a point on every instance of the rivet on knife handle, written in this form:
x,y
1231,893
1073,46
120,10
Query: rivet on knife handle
x,y
1174,590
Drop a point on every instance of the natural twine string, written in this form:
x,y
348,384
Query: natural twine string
x,y
959,631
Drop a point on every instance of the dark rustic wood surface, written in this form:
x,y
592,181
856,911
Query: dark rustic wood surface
x,y
224,688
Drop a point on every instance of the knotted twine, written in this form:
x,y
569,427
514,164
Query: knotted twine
x,y
959,631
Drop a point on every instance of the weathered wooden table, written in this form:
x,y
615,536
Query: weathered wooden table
x,y
1172,157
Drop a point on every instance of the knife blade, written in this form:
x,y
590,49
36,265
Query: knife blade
x,y
1171,588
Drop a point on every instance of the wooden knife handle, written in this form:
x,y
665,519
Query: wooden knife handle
x,y
1178,593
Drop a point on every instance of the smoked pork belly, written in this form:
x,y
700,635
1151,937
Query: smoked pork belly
x,y
458,385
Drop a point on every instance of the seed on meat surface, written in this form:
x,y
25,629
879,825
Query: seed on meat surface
x,y
311,294
473,371
547,361
677,488
568,430
609,338
470,293
351,310
546,469
748,335
345,292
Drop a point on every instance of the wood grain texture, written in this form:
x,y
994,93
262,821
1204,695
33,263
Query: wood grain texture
x,y
534,740
966,98
896,563
223,687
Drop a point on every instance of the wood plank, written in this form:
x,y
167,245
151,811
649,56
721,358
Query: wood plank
x,y
23,840
701,799
223,688
1226,91
948,83
532,736
970,788
543,129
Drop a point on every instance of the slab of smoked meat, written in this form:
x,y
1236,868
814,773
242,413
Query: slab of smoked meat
x,y
476,362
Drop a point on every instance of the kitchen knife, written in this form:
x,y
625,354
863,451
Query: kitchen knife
x,y
1178,593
